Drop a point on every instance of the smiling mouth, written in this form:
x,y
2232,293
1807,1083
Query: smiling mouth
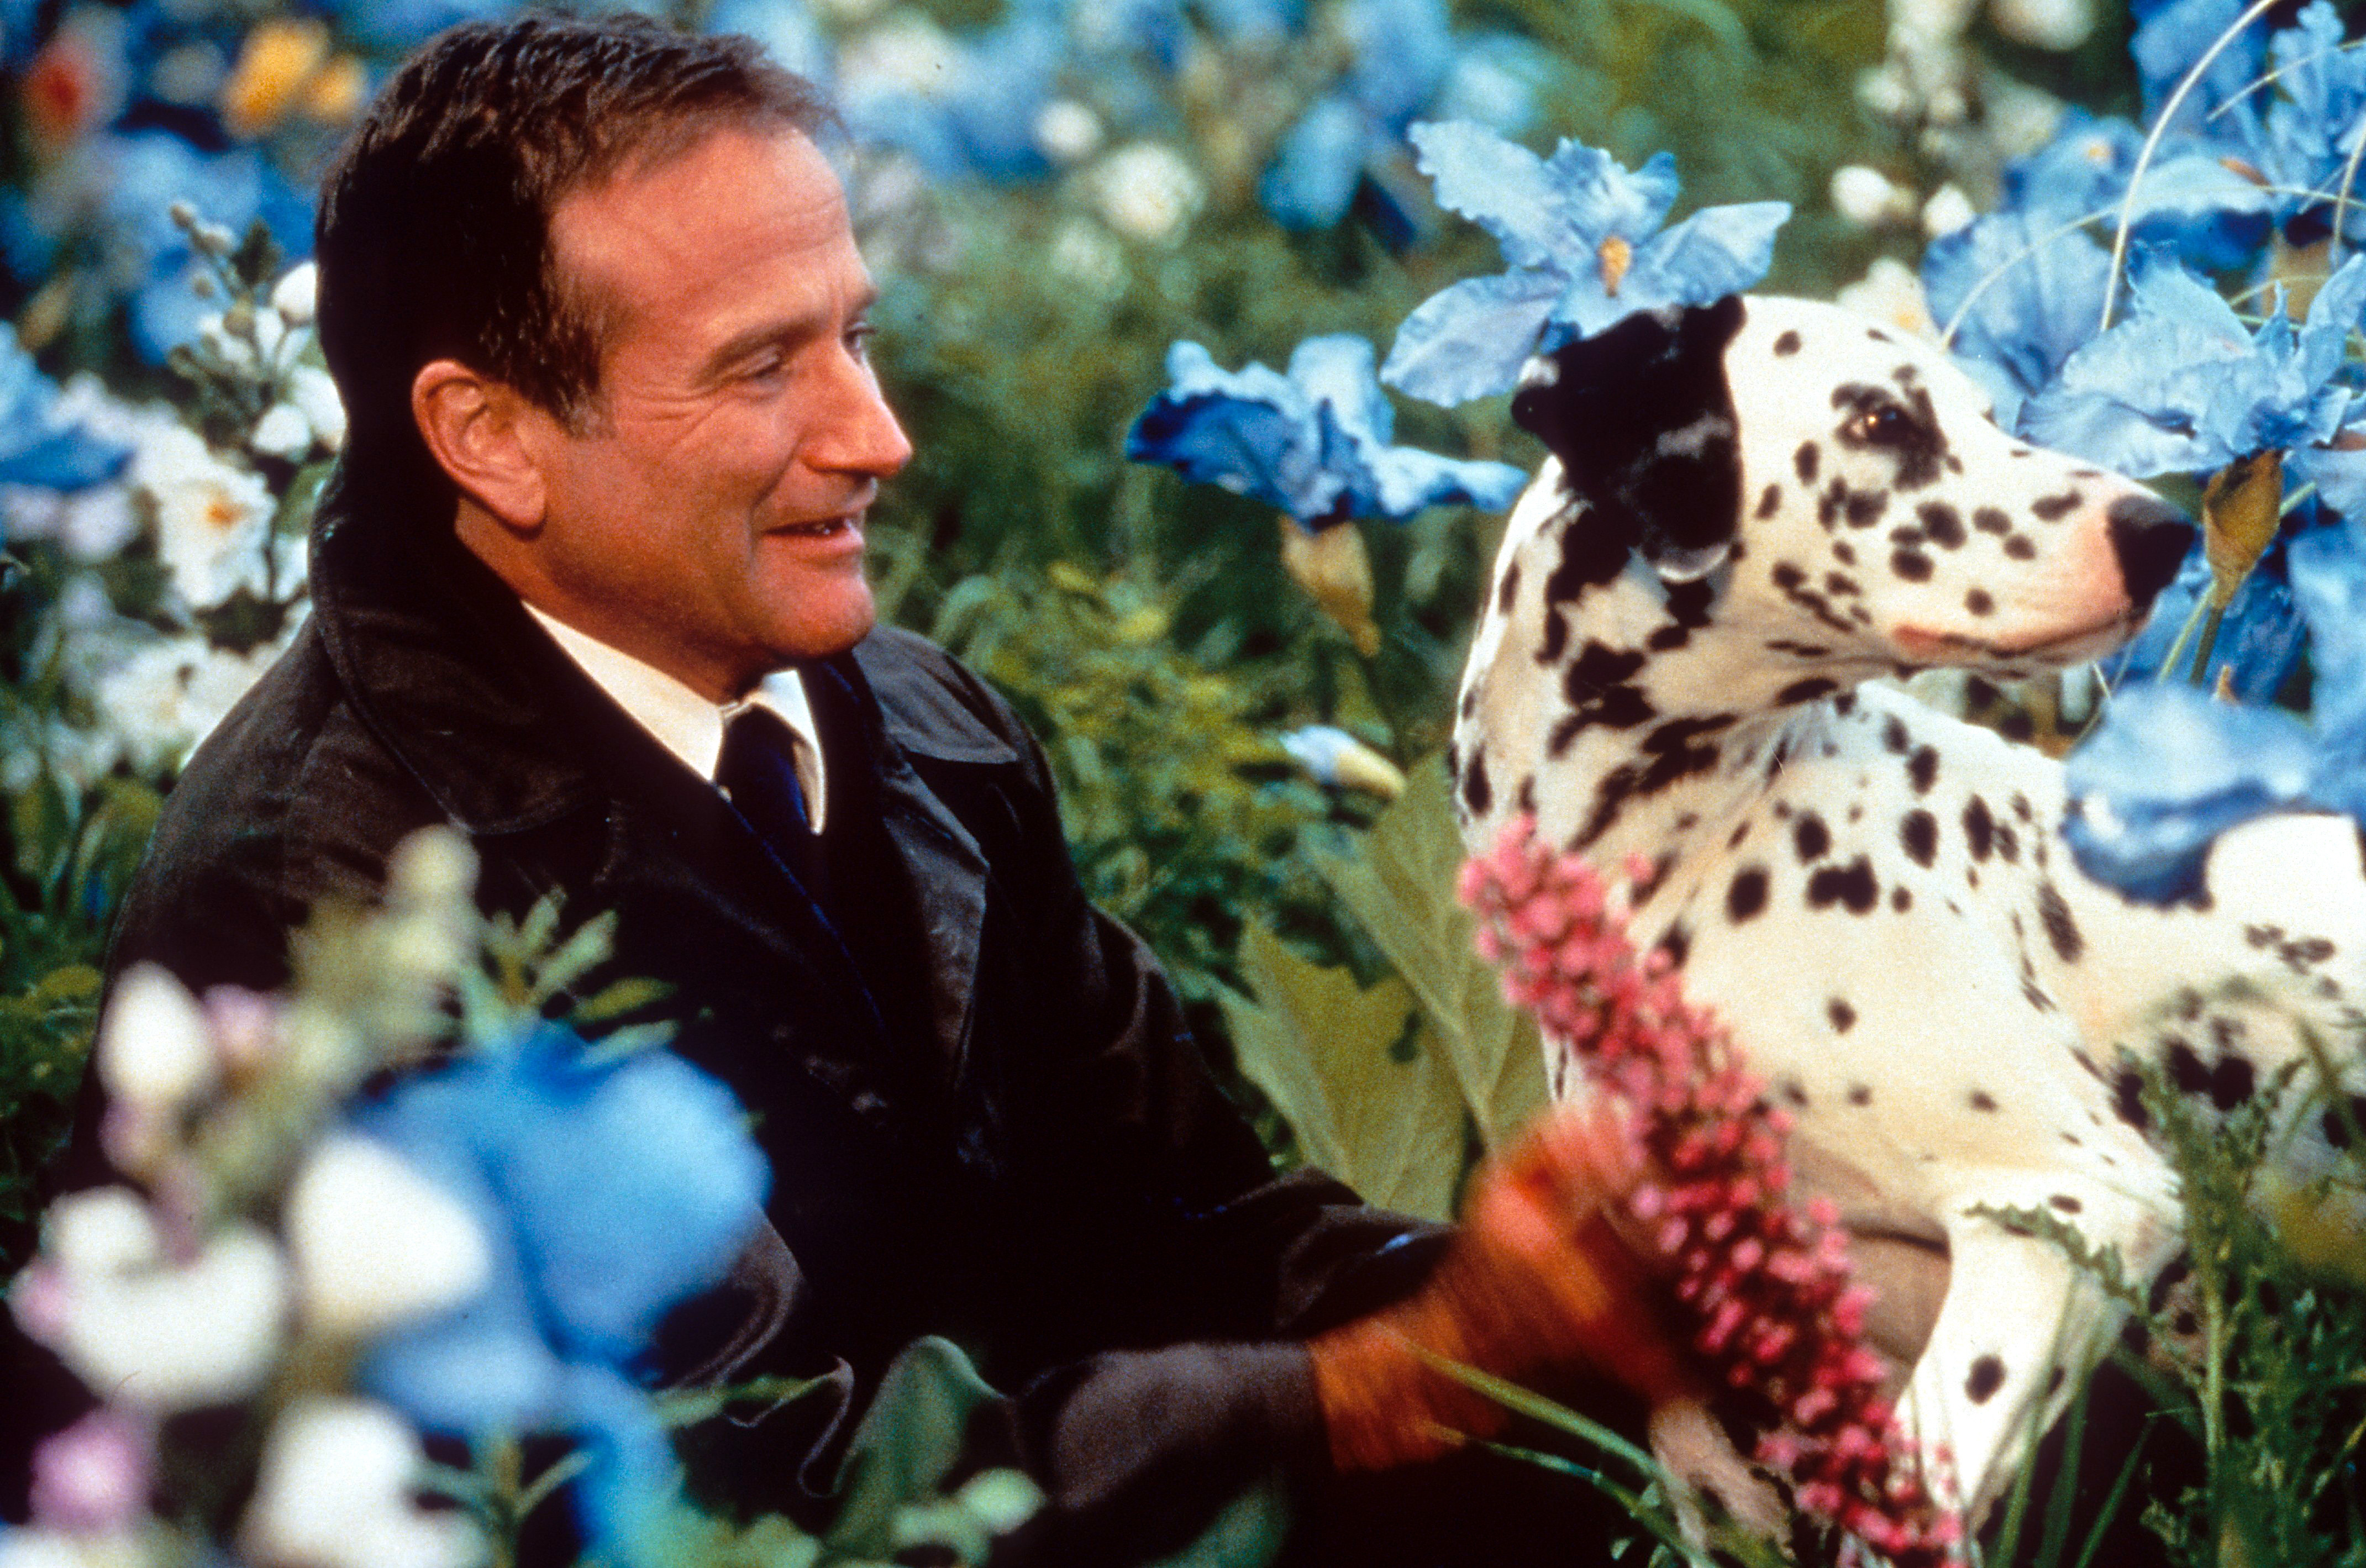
x,y
824,528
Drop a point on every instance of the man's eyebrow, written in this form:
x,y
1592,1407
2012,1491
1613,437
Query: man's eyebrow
x,y
785,330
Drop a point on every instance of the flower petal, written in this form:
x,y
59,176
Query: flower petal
x,y
1469,340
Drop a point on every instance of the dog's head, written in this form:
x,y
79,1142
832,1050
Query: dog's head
x,y
1842,490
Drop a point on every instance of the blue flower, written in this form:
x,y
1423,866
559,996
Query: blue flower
x,y
2260,637
2182,386
607,1193
1314,441
785,27
2175,36
2024,292
1403,50
35,448
1583,236
2172,767
2188,196
983,120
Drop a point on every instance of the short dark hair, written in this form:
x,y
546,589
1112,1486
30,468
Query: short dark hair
x,y
434,235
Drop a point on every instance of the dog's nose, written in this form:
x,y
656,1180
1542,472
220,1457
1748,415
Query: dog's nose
x,y
2150,538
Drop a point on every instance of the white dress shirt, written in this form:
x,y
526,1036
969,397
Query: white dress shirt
x,y
687,724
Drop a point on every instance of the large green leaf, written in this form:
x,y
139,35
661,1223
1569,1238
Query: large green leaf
x,y
1398,884
1354,1072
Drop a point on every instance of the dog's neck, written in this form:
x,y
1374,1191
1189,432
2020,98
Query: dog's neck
x,y
1668,730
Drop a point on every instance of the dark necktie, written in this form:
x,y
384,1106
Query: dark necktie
x,y
757,774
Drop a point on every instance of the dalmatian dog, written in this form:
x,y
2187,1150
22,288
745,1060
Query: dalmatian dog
x,y
1751,510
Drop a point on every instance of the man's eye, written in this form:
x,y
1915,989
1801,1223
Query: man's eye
x,y
858,340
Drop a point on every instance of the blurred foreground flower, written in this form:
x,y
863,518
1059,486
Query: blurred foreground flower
x,y
1766,1286
1583,236
40,444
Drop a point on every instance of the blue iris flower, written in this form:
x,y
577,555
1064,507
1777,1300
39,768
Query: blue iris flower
x,y
2024,292
1314,443
785,27
2174,36
2172,767
1403,50
607,1193
35,448
1583,236
2260,637
2296,128
2182,386
983,122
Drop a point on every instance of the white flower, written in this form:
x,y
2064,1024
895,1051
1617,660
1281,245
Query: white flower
x,y
296,294
335,1492
1891,293
150,1334
282,433
1084,253
315,397
907,53
56,1549
1947,210
165,698
1148,191
1067,131
376,1243
153,1047
212,520
1870,198
2045,24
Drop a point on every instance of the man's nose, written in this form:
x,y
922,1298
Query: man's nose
x,y
861,434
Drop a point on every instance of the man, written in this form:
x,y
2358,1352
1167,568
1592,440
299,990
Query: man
x,y
590,589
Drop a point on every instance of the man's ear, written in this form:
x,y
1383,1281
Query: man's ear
x,y
1642,418
485,435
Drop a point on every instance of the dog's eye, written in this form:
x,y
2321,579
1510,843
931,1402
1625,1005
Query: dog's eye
x,y
1882,424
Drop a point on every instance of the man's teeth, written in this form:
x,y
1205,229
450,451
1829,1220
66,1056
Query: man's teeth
x,y
821,530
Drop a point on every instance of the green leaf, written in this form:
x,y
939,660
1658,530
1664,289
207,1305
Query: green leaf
x,y
909,1439
1400,886
1325,1051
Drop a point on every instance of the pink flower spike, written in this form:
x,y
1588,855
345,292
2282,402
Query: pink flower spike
x,y
93,1478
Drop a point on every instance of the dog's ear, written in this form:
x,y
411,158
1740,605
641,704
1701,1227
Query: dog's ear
x,y
1641,419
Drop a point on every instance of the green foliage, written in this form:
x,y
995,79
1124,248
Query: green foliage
x,y
2258,1357
1398,881
68,861
1183,813
1358,1077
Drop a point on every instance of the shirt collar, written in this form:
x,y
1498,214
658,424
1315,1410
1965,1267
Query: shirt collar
x,y
685,723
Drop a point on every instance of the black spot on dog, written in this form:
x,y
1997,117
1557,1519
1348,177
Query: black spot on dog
x,y
1477,795
1988,519
1740,832
1676,944
1556,637
1865,507
1900,900
1844,552
1609,798
1595,686
1942,523
1507,591
1746,895
1810,838
2061,931
1877,335
1806,690
2053,508
1979,828
1788,344
1922,769
2064,1202
1901,424
2338,1127
1526,797
1981,1099
1858,1094
1911,565
2008,845
1845,704
1907,535
2035,995
1839,585
2232,1082
1894,737
1919,833
1851,886
1797,650
1979,603
1988,1376
1793,1093
2185,1068
1770,502
1805,462
2128,1100
1843,1016
2020,547
1676,753
1828,504
1667,639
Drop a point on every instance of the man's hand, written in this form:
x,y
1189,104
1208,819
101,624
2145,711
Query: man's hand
x,y
1537,1283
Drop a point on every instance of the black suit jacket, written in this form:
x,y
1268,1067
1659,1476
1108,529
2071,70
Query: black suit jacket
x,y
984,1115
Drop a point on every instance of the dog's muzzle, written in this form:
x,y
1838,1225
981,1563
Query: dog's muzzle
x,y
2151,538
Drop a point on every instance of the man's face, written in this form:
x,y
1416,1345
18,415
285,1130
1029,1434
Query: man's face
x,y
708,516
